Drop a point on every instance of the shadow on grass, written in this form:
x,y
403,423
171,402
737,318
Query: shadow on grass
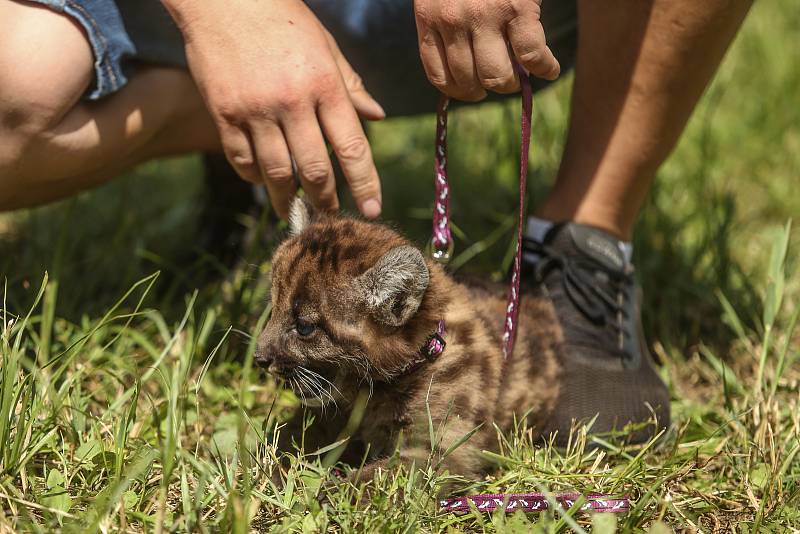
x,y
99,244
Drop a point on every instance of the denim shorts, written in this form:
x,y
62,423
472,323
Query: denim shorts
x,y
378,37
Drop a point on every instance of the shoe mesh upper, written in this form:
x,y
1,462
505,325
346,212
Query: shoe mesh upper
x,y
606,368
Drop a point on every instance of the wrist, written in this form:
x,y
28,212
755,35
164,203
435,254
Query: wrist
x,y
188,13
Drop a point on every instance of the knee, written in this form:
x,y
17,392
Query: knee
x,y
32,100
46,65
26,115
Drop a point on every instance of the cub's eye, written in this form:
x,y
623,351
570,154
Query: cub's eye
x,y
304,328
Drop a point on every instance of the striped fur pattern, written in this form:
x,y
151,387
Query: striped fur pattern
x,y
354,301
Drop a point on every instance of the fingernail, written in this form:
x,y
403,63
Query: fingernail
x,y
371,208
378,108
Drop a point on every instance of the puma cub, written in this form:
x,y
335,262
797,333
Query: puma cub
x,y
355,305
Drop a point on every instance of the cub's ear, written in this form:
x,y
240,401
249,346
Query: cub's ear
x,y
393,288
299,216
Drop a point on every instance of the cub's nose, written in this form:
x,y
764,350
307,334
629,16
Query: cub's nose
x,y
274,361
263,356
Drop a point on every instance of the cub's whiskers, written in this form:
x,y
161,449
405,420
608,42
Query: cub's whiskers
x,y
315,387
322,380
295,385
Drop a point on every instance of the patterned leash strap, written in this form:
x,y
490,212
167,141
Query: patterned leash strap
x,y
442,241
535,502
512,309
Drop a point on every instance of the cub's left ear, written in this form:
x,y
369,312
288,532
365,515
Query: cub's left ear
x,y
299,216
393,288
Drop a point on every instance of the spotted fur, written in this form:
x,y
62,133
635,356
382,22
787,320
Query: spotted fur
x,y
353,302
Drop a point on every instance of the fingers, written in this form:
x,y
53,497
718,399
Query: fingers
x,y
465,46
434,59
448,61
238,150
366,106
275,165
297,134
493,62
526,35
314,169
461,64
341,126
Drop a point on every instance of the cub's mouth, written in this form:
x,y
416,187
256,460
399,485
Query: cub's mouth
x,y
310,386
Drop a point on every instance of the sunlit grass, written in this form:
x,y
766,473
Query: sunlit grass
x,y
128,401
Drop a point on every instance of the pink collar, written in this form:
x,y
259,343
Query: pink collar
x,y
435,345
429,352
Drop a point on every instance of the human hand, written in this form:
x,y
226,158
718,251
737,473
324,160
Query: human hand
x,y
277,86
469,46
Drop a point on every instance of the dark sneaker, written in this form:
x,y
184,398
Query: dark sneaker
x,y
607,370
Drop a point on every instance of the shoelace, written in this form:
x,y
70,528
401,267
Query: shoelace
x,y
580,283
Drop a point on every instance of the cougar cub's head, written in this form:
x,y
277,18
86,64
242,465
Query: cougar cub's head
x,y
352,303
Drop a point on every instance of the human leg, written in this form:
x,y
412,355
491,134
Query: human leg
x,y
53,143
641,68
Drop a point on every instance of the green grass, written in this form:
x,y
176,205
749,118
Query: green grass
x,y
128,401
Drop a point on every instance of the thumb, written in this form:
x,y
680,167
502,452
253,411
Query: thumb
x,y
366,106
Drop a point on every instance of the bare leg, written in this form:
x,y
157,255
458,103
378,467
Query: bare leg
x,y
641,68
53,144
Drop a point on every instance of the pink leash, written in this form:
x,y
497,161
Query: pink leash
x,y
442,245
534,502
442,241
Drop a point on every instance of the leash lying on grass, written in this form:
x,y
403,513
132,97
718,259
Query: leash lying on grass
x,y
535,502
442,249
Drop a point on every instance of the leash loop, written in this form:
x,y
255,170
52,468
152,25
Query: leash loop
x,y
442,240
512,309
